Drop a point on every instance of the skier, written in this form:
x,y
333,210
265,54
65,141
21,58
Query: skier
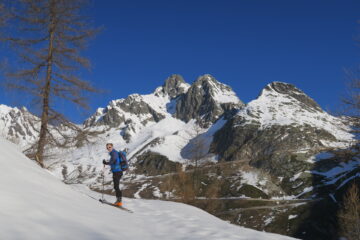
x,y
114,163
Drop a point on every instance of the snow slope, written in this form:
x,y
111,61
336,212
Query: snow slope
x,y
36,205
284,108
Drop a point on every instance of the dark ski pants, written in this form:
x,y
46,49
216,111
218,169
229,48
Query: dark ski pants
x,y
116,179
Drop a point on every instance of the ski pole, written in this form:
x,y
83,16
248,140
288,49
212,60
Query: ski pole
x,y
103,173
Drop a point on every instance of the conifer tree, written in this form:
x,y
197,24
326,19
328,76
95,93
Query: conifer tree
x,y
47,36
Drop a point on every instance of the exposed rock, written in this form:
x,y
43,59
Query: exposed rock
x,y
292,91
117,112
152,164
275,149
175,86
206,100
251,191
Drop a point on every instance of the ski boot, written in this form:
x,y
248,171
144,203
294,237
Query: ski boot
x,y
118,203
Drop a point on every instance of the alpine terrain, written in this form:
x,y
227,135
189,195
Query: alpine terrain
x,y
275,164
37,205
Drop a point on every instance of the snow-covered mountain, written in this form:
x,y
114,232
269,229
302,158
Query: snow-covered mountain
x,y
280,130
206,100
281,145
285,105
18,125
36,205
278,133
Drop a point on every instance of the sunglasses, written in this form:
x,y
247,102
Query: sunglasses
x,y
109,147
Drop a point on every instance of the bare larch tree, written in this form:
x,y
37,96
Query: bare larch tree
x,y
2,13
352,99
48,36
349,214
349,211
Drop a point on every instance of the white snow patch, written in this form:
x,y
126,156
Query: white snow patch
x,y
319,157
144,186
157,193
269,220
252,178
306,190
296,176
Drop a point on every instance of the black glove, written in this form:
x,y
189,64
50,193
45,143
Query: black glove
x,y
104,162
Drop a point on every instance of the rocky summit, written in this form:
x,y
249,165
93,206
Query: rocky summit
x,y
277,163
18,125
206,100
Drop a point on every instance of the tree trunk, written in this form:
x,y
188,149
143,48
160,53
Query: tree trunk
x,y
46,91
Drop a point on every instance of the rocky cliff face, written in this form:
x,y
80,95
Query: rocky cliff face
x,y
174,86
206,100
143,108
119,112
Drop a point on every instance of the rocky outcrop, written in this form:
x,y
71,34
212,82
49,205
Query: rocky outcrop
x,y
276,149
152,164
174,86
206,101
119,112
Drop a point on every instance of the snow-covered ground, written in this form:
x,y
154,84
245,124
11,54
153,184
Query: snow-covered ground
x,y
36,205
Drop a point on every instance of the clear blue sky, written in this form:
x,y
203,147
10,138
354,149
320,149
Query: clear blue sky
x,y
243,43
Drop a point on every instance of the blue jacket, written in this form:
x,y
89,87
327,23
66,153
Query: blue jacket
x,y
114,161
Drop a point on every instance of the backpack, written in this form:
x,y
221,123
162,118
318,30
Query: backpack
x,y
124,165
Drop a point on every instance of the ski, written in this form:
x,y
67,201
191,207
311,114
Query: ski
x,y
111,204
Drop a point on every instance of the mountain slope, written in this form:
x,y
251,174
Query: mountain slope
x,y
35,205
279,131
283,104
18,125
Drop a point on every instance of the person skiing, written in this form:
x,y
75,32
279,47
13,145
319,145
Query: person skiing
x,y
114,163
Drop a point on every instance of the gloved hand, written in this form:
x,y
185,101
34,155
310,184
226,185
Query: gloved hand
x,y
104,162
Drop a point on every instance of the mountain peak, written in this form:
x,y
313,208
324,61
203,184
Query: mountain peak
x,y
18,125
4,109
206,100
286,91
219,92
207,80
175,85
284,104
